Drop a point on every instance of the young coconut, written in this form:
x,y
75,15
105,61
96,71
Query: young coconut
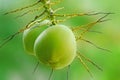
x,y
56,46
30,35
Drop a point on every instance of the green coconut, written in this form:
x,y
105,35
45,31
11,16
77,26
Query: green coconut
x,y
30,35
56,46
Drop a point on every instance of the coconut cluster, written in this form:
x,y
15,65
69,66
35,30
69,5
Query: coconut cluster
x,y
53,45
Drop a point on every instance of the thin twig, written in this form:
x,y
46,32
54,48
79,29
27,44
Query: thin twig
x,y
91,62
51,74
95,45
7,39
81,28
23,8
36,17
80,14
35,67
90,25
36,9
85,65
68,69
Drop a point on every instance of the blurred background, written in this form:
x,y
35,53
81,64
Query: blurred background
x,y
16,64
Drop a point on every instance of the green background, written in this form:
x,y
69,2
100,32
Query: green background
x,y
16,64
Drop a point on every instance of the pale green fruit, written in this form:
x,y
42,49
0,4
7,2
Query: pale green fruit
x,y
30,35
56,46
